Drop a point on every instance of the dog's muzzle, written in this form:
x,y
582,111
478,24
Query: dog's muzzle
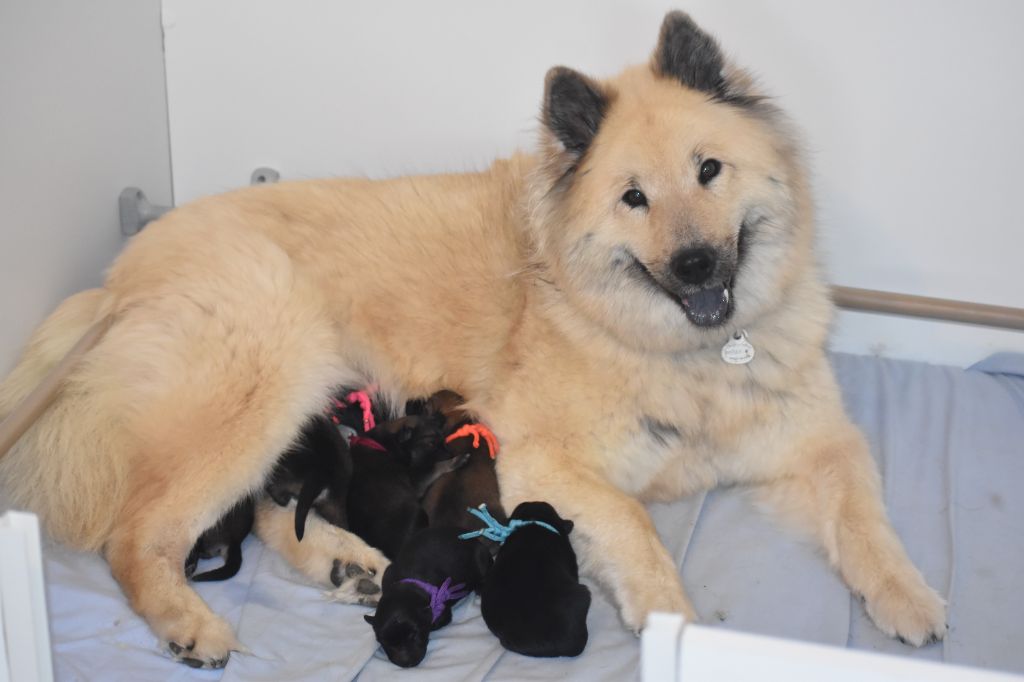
x,y
704,280
708,307
698,280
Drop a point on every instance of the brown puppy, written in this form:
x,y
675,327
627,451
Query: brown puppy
x,y
665,212
474,483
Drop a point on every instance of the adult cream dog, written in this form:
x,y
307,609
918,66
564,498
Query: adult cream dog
x,y
583,299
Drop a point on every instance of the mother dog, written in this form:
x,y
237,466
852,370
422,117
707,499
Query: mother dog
x,y
580,298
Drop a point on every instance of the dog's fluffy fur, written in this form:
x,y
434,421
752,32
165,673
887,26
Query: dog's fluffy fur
x,y
531,288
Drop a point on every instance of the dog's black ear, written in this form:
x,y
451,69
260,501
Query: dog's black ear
x,y
567,526
368,618
690,55
574,106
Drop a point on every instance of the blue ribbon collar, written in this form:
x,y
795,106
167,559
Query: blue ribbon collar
x,y
497,531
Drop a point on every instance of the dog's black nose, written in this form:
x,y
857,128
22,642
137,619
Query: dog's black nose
x,y
694,266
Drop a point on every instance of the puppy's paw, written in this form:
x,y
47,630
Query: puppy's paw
x,y
909,610
201,642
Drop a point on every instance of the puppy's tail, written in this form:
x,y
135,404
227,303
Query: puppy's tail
x,y
307,495
232,562
52,353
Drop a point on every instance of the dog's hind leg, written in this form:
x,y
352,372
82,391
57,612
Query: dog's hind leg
x,y
329,556
832,488
146,552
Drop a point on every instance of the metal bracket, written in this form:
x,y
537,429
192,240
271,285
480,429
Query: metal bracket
x,y
136,210
264,176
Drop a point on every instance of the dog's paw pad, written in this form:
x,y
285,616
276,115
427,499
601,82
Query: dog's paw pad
x,y
367,586
340,572
336,577
363,589
212,664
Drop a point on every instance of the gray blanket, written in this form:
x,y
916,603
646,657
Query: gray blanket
x,y
949,442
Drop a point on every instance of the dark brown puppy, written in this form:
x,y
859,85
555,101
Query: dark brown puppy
x,y
476,482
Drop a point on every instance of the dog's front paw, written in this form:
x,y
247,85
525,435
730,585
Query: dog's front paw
x,y
909,610
202,642
664,595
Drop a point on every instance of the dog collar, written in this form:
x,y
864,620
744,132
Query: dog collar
x,y
370,443
364,403
497,531
439,596
476,430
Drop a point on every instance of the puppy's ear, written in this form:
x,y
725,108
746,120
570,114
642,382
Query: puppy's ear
x,y
574,107
567,526
689,55
368,618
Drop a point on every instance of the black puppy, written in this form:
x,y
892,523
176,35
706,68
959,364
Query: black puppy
x,y
316,471
391,467
223,540
532,599
432,571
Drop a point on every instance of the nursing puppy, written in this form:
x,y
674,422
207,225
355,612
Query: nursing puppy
x,y
665,211
316,472
391,468
472,484
224,539
447,403
433,571
532,599
417,443
467,486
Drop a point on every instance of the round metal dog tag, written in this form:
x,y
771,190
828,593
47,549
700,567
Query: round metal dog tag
x,y
737,350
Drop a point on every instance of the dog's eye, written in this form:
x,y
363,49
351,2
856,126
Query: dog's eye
x,y
708,170
634,198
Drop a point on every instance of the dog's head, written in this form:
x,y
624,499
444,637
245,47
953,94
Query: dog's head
x,y
669,205
402,626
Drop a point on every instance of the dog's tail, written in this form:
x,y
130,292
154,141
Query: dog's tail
x,y
62,456
52,352
232,562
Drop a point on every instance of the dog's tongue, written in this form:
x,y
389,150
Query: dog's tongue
x,y
707,307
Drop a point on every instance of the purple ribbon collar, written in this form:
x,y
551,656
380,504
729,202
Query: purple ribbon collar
x,y
439,596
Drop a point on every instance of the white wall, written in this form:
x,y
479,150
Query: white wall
x,y
82,115
912,110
